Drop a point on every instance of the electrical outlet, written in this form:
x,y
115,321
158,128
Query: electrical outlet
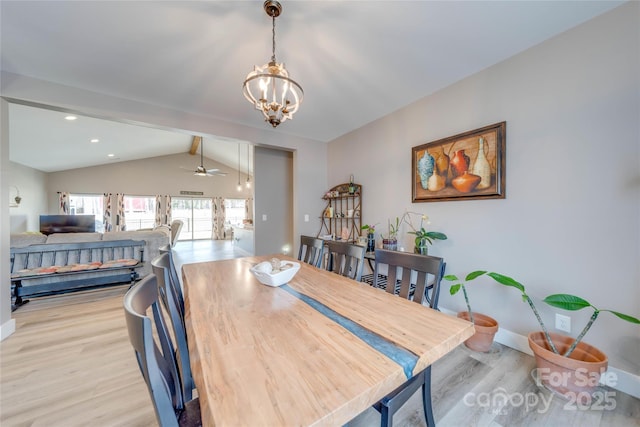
x,y
563,323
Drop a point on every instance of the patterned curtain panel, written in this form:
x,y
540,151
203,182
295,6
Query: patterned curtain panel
x,y
63,202
158,219
120,224
167,209
219,216
248,209
214,215
106,217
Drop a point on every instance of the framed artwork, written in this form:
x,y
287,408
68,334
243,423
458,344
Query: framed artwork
x,y
470,165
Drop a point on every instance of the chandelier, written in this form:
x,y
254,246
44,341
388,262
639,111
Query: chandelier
x,y
269,87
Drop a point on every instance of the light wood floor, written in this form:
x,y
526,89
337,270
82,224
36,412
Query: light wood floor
x,y
70,363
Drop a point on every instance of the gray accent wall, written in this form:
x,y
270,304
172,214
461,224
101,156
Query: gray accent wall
x,y
274,229
570,222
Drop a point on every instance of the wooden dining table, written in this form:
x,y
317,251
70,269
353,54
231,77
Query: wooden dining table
x,y
317,351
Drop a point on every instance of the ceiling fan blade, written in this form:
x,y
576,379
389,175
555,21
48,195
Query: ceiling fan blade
x,y
216,172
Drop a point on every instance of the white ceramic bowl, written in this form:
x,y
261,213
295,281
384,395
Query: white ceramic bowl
x,y
279,278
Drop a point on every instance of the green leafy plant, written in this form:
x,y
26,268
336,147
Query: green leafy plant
x,y
421,232
393,229
565,302
371,229
460,285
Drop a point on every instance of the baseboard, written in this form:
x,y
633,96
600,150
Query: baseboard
x,y
7,328
623,381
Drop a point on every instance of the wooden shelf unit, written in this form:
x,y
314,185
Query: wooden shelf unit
x,y
339,201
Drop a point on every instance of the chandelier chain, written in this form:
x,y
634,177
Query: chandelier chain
x,y
273,39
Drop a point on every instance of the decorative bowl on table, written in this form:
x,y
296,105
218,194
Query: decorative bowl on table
x,y
278,276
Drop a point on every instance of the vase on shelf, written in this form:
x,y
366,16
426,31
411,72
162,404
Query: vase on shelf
x,y
481,166
390,244
459,164
422,247
371,242
425,167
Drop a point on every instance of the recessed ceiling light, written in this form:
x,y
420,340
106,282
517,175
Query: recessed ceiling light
x,y
111,155
70,118
94,140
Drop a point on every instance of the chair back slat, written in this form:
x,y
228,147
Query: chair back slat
x,y
419,279
346,259
311,250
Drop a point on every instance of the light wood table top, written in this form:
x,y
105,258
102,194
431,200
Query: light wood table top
x,y
261,355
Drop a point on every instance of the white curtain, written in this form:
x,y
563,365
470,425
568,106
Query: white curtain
x,y
106,217
120,222
158,218
63,202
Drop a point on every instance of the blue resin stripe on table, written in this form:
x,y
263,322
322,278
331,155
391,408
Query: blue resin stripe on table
x,y
403,357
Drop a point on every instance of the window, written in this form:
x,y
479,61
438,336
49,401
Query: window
x,y
234,211
139,212
196,214
88,204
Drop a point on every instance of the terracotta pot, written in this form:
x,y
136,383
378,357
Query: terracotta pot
x,y
466,182
486,328
575,376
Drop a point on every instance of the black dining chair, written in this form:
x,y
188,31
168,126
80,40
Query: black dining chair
x,y
157,360
416,278
170,295
346,259
311,250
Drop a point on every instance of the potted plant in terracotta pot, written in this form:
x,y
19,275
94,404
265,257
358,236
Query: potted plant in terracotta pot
x,y
485,326
565,365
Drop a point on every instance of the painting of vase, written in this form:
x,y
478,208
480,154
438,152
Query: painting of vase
x,y
470,165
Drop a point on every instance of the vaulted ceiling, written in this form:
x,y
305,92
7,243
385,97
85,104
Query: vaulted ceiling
x,y
356,60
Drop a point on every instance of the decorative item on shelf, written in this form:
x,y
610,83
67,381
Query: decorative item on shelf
x,y
344,235
371,236
391,242
423,237
425,169
485,326
481,166
352,186
578,364
269,87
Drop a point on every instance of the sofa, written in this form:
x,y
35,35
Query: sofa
x,y
65,262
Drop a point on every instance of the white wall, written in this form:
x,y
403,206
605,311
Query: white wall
x,y
570,222
7,324
32,186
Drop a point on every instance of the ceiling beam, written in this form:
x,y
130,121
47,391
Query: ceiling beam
x,y
194,144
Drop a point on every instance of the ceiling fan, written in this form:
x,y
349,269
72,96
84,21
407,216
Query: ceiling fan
x,y
201,170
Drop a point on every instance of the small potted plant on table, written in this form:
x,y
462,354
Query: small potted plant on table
x,y
423,237
485,326
568,366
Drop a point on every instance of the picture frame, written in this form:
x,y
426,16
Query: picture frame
x,y
467,166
